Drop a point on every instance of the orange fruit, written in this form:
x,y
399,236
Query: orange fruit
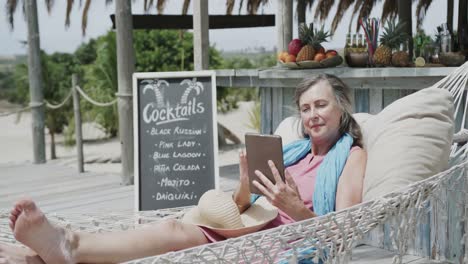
x,y
290,58
319,56
282,56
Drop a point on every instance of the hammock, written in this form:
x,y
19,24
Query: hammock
x,y
330,238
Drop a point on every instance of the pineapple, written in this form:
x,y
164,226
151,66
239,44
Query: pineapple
x,y
312,40
400,59
391,39
318,38
307,52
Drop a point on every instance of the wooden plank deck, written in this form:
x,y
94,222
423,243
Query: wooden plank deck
x,y
60,189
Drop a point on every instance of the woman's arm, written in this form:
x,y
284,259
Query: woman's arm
x,y
349,191
241,195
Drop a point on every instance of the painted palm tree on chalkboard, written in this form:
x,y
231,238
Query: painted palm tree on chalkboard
x,y
192,85
155,86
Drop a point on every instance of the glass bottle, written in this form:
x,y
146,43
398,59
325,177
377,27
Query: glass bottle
x,y
348,43
354,45
360,46
364,44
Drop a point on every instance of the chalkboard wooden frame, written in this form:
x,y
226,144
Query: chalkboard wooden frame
x,y
136,125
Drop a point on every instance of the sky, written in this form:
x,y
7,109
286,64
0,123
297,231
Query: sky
x,y
54,37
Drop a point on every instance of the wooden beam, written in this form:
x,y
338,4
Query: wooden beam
x,y
186,21
284,24
35,83
201,40
125,69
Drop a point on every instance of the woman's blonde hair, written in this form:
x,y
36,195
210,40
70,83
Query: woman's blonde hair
x,y
341,92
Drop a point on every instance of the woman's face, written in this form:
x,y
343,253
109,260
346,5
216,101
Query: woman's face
x,y
320,113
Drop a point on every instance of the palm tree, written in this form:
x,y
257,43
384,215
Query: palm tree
x,y
126,62
155,86
35,79
191,85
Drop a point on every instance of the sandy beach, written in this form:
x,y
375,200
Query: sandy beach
x,y
101,154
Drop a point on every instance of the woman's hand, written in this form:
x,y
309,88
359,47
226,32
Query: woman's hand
x,y
283,195
242,193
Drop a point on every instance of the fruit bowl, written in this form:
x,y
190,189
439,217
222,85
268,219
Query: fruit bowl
x,y
355,59
325,63
451,58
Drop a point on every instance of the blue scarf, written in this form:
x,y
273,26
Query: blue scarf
x,y
328,173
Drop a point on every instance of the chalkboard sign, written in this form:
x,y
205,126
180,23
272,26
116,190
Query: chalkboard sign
x,y
175,138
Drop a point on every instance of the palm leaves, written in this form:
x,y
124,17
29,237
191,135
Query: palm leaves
x,y
389,12
421,10
322,11
11,6
10,10
363,7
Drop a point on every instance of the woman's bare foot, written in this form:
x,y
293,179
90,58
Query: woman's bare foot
x,y
53,244
11,254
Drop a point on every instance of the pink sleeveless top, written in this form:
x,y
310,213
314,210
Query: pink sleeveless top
x,y
304,174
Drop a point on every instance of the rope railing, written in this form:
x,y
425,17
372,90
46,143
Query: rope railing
x,y
57,106
60,105
5,114
89,99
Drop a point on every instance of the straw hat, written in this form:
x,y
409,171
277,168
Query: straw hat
x,y
217,211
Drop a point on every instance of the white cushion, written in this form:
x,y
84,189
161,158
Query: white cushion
x,y
406,142
289,129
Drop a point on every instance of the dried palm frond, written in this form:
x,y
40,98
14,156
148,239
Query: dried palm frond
x,y
10,9
364,7
253,5
323,9
343,6
309,4
185,7
357,6
240,6
421,10
49,4
84,18
160,6
230,6
389,11
67,16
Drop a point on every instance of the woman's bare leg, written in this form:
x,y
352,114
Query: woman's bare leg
x,y
13,254
57,245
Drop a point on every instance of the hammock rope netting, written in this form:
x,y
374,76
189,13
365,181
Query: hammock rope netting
x,y
330,238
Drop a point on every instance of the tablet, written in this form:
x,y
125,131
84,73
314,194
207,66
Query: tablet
x,y
261,148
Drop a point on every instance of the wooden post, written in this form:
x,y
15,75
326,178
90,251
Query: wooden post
x,y
284,22
78,130
301,12
404,14
125,69
375,100
201,40
450,15
462,25
35,82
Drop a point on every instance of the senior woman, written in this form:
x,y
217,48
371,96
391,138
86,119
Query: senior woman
x,y
331,132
